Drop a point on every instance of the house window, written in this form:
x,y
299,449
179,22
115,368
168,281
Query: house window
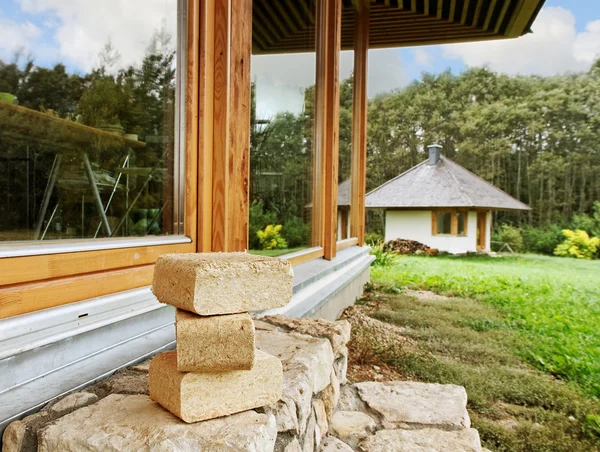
x,y
450,223
444,223
88,141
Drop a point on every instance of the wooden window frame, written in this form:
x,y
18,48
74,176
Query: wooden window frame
x,y
453,222
33,282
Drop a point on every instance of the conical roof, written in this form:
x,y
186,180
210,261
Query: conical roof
x,y
445,184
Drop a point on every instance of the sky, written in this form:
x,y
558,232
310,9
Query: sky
x,y
565,38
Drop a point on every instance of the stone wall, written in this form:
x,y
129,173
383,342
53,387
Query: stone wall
x,y
314,357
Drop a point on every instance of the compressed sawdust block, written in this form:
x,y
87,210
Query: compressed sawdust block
x,y
215,343
222,283
196,397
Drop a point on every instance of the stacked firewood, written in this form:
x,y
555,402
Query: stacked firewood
x,y
402,246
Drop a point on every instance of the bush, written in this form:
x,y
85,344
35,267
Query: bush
x,y
507,234
578,244
259,220
296,232
382,258
373,238
588,223
271,239
543,240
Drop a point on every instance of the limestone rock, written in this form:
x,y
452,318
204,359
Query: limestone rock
x,y
144,366
351,426
195,397
341,368
73,402
311,435
293,446
214,344
222,283
415,405
424,440
125,381
331,395
134,422
299,353
338,332
331,444
320,417
350,400
285,414
21,435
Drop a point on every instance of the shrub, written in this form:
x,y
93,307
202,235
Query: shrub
x,y
543,240
259,220
508,234
296,232
373,238
577,244
588,223
271,239
382,258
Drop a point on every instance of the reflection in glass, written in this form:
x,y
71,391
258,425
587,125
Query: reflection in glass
x,y
461,219
444,223
282,124
345,146
87,120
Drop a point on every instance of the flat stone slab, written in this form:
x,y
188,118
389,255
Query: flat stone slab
x,y
331,444
196,397
214,344
338,332
403,404
222,283
351,426
135,423
424,440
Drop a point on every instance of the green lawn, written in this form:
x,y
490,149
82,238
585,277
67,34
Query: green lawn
x,y
554,303
515,407
275,253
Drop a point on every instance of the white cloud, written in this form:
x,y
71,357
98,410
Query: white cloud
x,y
81,28
422,57
282,79
554,47
16,37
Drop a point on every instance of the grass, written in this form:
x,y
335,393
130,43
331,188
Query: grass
x,y
514,406
275,253
554,303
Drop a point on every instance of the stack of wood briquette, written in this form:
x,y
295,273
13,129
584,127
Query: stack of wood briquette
x,y
216,370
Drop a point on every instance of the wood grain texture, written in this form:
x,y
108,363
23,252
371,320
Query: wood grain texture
x,y
343,244
302,257
17,270
327,100
231,125
29,297
359,125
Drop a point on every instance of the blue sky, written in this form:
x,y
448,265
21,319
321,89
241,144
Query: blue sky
x,y
583,11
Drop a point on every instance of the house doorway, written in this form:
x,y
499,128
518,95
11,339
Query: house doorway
x,y
481,228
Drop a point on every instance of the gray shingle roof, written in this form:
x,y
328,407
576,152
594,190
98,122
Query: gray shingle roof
x,y
446,184
344,193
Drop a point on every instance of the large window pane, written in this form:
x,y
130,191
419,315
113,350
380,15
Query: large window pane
x,y
87,119
444,222
282,125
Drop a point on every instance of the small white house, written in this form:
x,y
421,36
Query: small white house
x,y
442,205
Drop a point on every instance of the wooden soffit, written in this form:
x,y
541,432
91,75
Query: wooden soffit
x,y
289,25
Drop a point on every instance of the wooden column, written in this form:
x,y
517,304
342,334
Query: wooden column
x,y
230,124
359,124
327,104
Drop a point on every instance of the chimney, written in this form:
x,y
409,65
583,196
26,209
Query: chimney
x,y
435,151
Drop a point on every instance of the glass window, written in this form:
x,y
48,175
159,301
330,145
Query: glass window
x,y
282,125
88,107
444,223
345,145
461,223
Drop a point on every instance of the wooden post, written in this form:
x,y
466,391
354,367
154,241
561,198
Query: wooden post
x,y
359,124
327,105
231,124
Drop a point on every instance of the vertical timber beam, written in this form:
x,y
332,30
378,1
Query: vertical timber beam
x,y
359,124
327,104
231,124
